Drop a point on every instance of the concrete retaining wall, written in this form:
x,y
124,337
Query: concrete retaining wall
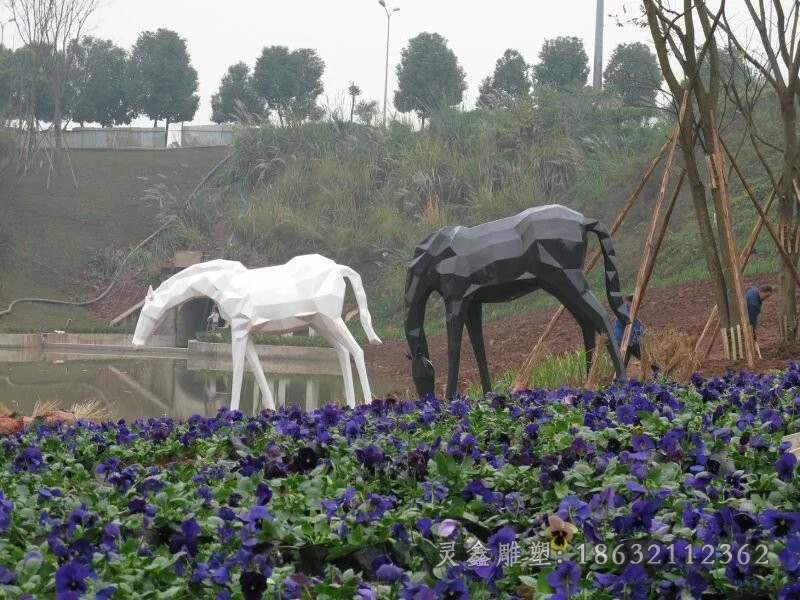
x,y
299,360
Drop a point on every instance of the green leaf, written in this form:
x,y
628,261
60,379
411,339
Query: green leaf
x,y
665,475
562,489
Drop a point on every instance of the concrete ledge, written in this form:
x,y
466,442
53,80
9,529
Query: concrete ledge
x,y
300,360
111,350
20,340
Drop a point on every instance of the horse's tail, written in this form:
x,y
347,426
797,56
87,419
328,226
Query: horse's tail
x,y
361,299
612,274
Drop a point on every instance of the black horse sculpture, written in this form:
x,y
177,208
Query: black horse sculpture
x,y
540,248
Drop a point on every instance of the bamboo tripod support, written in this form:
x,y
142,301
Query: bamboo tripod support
x,y
652,245
712,324
524,375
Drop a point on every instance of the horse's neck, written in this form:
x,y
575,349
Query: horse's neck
x,y
179,292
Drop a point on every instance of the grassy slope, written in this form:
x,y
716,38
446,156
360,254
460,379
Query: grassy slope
x,y
57,231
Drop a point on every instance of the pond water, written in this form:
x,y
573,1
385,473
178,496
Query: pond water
x,y
132,388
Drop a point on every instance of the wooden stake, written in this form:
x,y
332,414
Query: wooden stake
x,y
741,349
725,350
524,375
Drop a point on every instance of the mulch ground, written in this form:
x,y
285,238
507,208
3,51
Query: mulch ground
x,y
682,307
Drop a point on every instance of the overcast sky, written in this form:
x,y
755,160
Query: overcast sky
x,y
350,35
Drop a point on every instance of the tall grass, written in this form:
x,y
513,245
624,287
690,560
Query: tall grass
x,y
567,369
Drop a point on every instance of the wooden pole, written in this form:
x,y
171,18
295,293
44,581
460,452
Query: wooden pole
x,y
647,263
524,375
736,274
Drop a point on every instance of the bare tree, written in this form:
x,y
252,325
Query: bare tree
x,y
777,61
684,39
49,28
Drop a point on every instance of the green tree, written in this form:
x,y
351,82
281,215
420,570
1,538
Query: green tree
x,y
236,93
31,91
289,82
366,111
634,74
7,78
428,76
509,82
308,68
163,79
563,64
100,84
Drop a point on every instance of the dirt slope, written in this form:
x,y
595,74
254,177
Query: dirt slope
x,y
55,231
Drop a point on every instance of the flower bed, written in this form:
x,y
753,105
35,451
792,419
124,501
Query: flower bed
x,y
635,491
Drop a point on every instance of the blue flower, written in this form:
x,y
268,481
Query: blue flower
x,y
29,459
7,577
6,509
187,539
790,591
564,580
790,555
515,503
417,591
371,456
71,578
574,510
633,583
780,523
389,573
785,466
452,589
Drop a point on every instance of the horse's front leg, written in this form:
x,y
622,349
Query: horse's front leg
x,y
238,349
455,330
258,372
475,330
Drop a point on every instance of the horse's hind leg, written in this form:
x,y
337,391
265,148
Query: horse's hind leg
x,y
344,359
258,372
475,330
348,341
238,349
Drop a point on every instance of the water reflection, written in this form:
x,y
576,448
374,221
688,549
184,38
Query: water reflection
x,y
151,387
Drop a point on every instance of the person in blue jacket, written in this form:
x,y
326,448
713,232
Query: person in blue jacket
x,y
637,331
754,297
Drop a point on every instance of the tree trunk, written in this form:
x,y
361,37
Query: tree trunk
x,y
166,134
700,203
352,107
786,211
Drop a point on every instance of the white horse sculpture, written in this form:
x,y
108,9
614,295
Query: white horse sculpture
x,y
307,291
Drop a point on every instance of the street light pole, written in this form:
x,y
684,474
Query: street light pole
x,y
389,14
